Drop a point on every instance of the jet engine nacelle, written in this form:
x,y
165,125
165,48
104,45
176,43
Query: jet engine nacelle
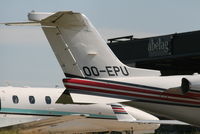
x,y
190,83
190,87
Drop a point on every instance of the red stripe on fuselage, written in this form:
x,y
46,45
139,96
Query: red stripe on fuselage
x,y
132,94
117,108
120,111
108,85
135,89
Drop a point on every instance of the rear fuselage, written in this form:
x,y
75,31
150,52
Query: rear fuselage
x,y
147,93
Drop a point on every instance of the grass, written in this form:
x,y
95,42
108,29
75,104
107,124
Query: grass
x,y
9,132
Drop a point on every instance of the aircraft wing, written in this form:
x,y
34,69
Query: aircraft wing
x,y
123,116
166,122
80,124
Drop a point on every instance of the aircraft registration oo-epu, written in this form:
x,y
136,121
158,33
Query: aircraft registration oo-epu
x,y
95,73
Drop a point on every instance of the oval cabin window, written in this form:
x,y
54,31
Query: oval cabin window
x,y
31,99
48,99
15,99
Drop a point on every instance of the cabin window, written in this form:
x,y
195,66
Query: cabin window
x,y
48,99
32,99
15,99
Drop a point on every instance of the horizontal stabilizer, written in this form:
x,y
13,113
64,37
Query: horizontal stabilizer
x,y
167,122
33,17
28,23
38,16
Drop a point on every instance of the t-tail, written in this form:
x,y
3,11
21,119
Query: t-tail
x,y
83,55
80,49
95,73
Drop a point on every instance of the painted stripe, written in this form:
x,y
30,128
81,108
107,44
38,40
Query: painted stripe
x,y
133,95
114,105
193,94
113,82
133,98
134,92
48,113
69,76
128,88
112,86
118,111
139,93
109,85
117,108
108,89
124,91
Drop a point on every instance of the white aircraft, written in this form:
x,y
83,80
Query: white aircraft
x,y
95,75
24,104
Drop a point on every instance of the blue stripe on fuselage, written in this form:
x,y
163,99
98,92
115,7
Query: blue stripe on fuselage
x,y
48,113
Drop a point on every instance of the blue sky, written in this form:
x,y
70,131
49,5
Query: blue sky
x,y
27,59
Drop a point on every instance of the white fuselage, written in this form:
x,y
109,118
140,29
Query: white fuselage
x,y
25,104
180,107
146,93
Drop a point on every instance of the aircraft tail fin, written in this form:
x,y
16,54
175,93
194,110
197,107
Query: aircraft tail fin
x,y
80,49
121,113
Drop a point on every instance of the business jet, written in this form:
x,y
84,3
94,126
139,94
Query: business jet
x,y
25,104
95,75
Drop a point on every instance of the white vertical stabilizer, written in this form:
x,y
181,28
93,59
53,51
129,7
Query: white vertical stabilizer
x,y
80,49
